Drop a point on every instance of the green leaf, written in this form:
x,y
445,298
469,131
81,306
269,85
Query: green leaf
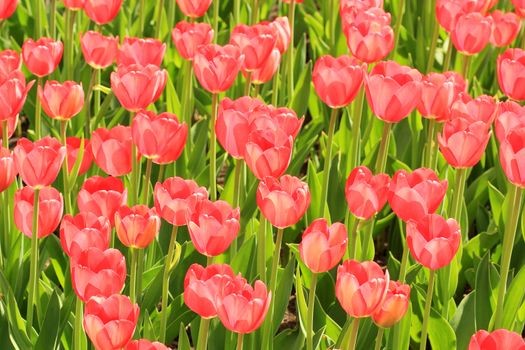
x,y
17,324
282,294
486,283
301,93
440,333
184,342
464,320
48,337
514,298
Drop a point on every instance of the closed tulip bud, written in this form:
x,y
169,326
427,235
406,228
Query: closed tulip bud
x,y
511,73
337,80
394,306
73,148
172,199
14,90
136,87
323,246
112,149
84,231
510,115
99,51
144,344
519,6
512,156
482,108
438,94
7,8
202,286
141,51
212,225
11,126
283,201
187,37
413,195
265,72
42,57
7,169
393,91
159,137
433,241
98,273
505,28
110,322
361,287
194,8
10,61
366,194
216,67
137,226
102,196
255,42
471,33
500,339
61,101
39,162
102,11
50,204
281,26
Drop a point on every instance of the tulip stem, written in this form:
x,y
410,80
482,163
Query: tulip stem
x,y
133,275
255,11
37,14
147,179
382,156
356,129
399,20
448,56
248,84
213,152
396,332
353,239
291,19
310,315
68,45
97,92
78,324
6,197
5,134
261,248
275,87
166,284
465,67
186,95
236,11
159,19
53,19
142,16
429,148
89,95
33,274
237,188
352,339
432,51
328,163
172,9
65,168
38,112
216,6
202,342
379,338
240,339
515,195
428,306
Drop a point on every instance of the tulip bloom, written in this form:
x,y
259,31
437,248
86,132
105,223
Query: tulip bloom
x,y
84,231
61,101
337,80
323,246
392,90
14,90
74,5
141,51
98,273
73,148
39,162
510,115
202,286
438,93
99,51
216,67
500,339
482,108
448,11
505,28
102,196
194,8
265,72
137,226
187,37
172,199
471,33
285,118
7,8
212,225
136,87
361,287
110,322
42,57
144,344
366,194
112,149
413,195
283,201
102,11
159,137
10,61
7,169
394,306
255,42
281,26
512,156
519,6
511,73
50,204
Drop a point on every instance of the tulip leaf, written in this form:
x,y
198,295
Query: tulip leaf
x,y
514,298
302,308
184,341
440,333
496,202
464,320
486,285
301,93
49,333
172,99
17,324
282,294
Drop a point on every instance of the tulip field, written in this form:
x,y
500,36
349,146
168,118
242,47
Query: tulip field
x,y
262,174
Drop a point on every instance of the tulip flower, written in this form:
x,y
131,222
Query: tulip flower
x,y
141,51
14,90
194,8
102,196
137,226
499,339
482,108
366,194
281,26
10,61
144,344
102,11
212,225
7,8
512,156
112,150
266,71
98,273
172,199
7,169
50,205
99,51
255,43
42,57
84,231
394,306
511,76
519,6
61,101
187,37
448,11
136,87
510,115
73,149
110,322
438,93
10,125
471,33
74,5
285,118
505,28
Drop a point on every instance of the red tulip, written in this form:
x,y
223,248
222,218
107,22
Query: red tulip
x,y
500,339
323,246
98,273
102,196
510,115
448,11
112,149
281,27
395,305
42,57
73,149
413,195
144,344
172,199
74,5
483,108
255,42
265,72
283,201
102,11
216,67
202,286
136,87
7,169
99,51
505,28
50,204
471,33
39,162
141,51
212,225
14,90
519,6
194,8
511,73
392,91
337,80
7,8
433,241
285,118
10,61
361,287
366,194
61,101
159,137
361,4
187,37
512,156
110,322
438,93
137,226
84,231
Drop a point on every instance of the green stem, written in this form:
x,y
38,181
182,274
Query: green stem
x,y
429,147
352,340
448,56
465,67
426,314
366,241
291,19
172,9
5,134
248,84
237,188
255,12
213,152
327,162
140,270
404,262
53,18
186,94
240,339
68,45
89,96
38,112
382,156
33,274
142,16
237,11
6,197
202,343
310,316
65,168
355,142
166,284
514,194
261,248
399,20
78,325
97,93
275,87
432,52
37,14
159,19
353,239
133,275
216,5
134,186
146,184
379,338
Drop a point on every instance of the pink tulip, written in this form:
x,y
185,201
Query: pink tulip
x,y
99,51
505,28
42,57
144,344
510,115
73,149
366,194
511,73
266,71
255,43
61,101
282,29
500,339
10,61
471,33
84,231
141,51
14,90
7,8
512,156
7,169
137,226
194,8
482,108
187,37
438,93
395,305
112,149
74,5
102,11
519,6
